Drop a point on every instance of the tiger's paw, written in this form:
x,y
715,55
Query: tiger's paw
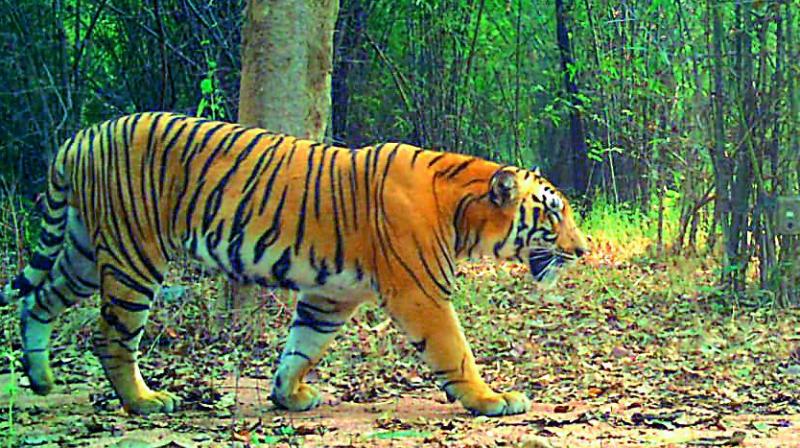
x,y
37,369
303,399
151,402
497,405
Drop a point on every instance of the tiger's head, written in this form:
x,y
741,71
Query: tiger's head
x,y
543,234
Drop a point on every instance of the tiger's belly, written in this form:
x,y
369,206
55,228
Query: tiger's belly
x,y
287,269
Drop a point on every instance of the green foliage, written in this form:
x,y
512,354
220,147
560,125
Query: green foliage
x,y
387,435
8,427
212,100
73,63
625,222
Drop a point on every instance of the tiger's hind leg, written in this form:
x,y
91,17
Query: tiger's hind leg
x,y
71,278
316,321
124,310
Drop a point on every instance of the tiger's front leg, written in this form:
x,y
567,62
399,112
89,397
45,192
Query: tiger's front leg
x,y
433,327
316,321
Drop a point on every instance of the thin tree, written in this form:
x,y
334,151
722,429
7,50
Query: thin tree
x,y
579,159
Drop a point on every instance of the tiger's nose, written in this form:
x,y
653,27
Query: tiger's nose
x,y
580,252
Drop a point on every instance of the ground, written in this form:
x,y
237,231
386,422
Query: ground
x,y
68,419
621,352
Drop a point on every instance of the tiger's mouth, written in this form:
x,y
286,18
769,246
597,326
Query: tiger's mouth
x,y
545,264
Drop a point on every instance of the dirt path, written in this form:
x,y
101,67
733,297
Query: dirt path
x,y
67,418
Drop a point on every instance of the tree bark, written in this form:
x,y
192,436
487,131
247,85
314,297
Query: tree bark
x,y
722,169
287,61
741,188
579,158
789,294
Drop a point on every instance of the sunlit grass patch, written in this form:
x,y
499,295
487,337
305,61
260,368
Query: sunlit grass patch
x,y
622,231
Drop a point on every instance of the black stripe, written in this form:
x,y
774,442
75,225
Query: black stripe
x,y
417,152
342,205
22,284
39,299
201,182
270,183
446,384
52,220
109,165
50,240
318,182
309,307
128,305
339,254
147,161
127,280
294,353
367,186
62,298
189,143
129,169
320,326
114,321
436,159
85,252
166,149
53,204
280,270
420,345
445,252
187,164
41,262
269,237
461,167
236,236
34,350
32,315
301,219
124,213
76,282
444,289
354,187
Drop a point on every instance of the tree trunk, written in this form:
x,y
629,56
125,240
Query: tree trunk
x,y
789,293
742,186
287,53
722,170
579,158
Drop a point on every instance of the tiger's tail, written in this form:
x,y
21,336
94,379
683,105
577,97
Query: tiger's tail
x,y
51,238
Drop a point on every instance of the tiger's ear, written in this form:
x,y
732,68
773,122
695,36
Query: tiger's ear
x,y
503,188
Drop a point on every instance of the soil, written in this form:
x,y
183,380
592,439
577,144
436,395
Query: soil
x,y
68,417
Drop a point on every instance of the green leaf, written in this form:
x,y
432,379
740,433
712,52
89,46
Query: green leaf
x,y
761,426
201,107
384,435
206,86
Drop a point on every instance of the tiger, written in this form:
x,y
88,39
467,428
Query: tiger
x,y
384,224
